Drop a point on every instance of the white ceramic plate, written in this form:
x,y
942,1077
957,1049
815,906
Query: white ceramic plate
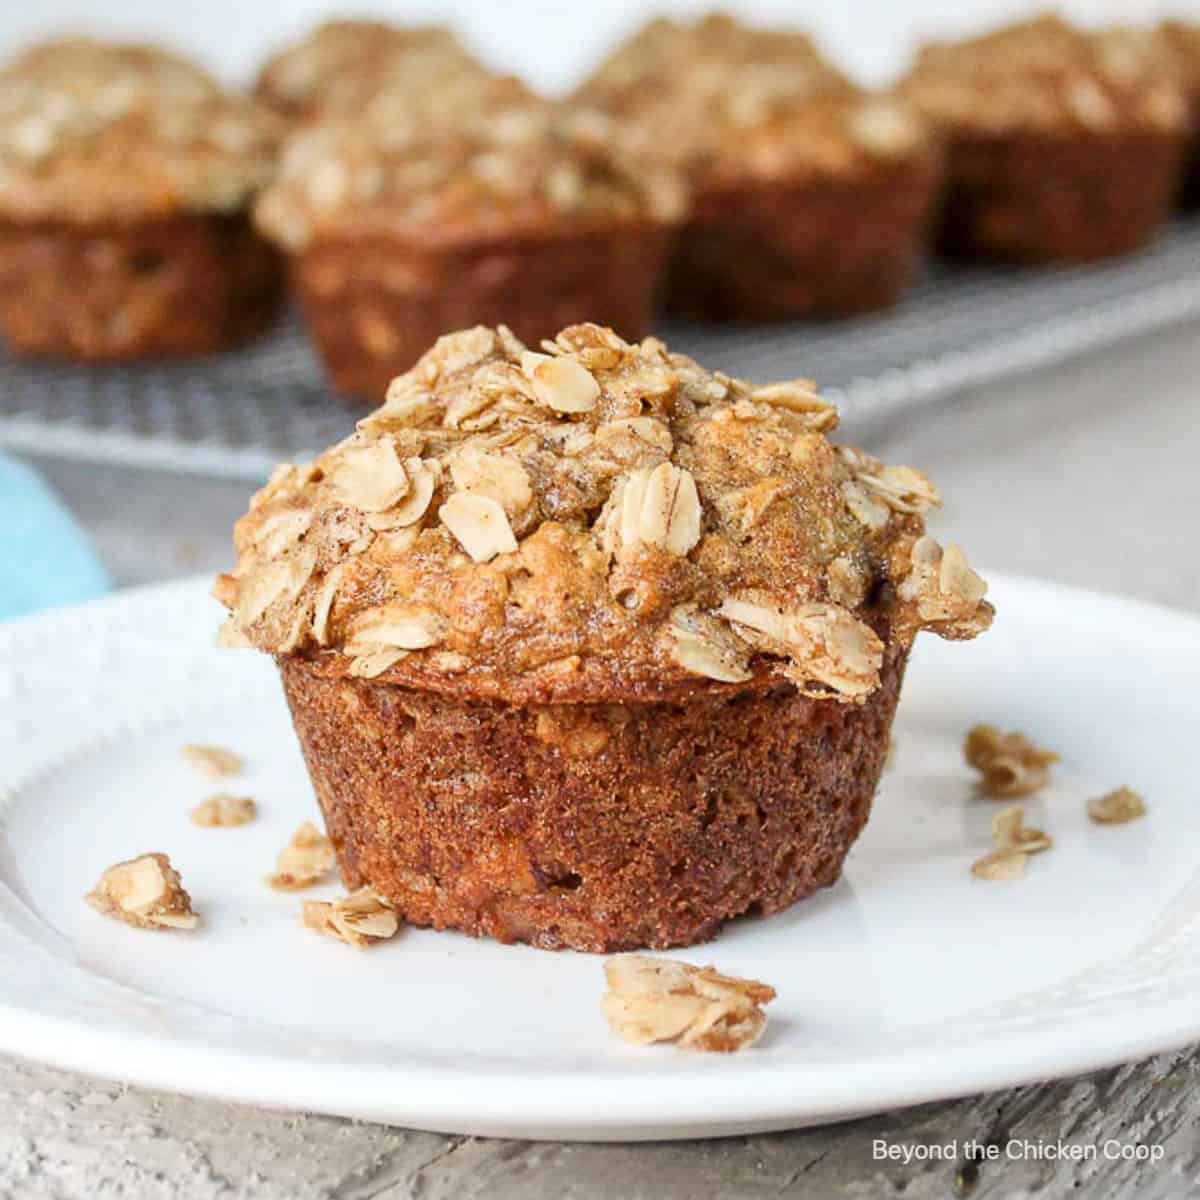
x,y
908,981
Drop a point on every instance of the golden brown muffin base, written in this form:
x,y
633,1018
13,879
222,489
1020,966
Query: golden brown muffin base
x,y
599,827
375,305
190,284
1065,198
820,247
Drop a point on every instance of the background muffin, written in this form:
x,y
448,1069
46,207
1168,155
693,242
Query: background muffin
x,y
418,216
1184,42
592,647
809,196
125,177
1062,145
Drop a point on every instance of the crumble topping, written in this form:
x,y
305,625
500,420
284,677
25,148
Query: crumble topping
x,y
342,63
1117,807
1009,763
723,101
306,860
594,516
359,919
1047,75
95,131
215,762
660,1000
224,810
146,892
493,159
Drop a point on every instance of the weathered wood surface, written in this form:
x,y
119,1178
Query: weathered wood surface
x,y
1086,474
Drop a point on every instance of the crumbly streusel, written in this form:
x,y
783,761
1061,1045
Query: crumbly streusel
x,y
342,64
91,131
724,102
1047,75
595,517
515,163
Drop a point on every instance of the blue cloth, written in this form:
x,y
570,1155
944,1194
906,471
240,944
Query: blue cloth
x,y
45,559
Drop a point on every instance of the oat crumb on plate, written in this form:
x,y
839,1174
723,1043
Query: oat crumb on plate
x,y
224,810
1009,763
306,860
146,892
1117,807
1014,842
213,761
359,919
660,1000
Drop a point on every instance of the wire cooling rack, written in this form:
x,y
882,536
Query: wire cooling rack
x,y
238,414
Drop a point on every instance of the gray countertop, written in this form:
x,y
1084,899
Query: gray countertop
x,y
1086,474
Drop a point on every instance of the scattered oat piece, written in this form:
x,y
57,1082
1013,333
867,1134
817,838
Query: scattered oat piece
x,y
659,1000
213,761
359,919
146,892
1010,832
304,861
1011,765
1116,807
1008,863
224,810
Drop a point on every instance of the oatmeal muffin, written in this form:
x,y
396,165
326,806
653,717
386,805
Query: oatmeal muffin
x,y
809,195
340,65
125,180
1062,145
588,646
1184,43
403,226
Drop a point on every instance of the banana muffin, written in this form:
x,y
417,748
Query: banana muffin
x,y
126,176
810,196
402,223
1184,42
1063,145
588,646
340,65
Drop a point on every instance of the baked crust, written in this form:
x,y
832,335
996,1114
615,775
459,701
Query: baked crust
x,y
596,827
192,284
375,304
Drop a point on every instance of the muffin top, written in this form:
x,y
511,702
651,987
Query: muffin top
x,y
509,163
723,102
591,521
1046,75
341,64
94,132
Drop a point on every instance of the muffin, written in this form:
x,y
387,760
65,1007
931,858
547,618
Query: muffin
x,y
590,647
1063,146
402,223
1184,42
809,196
126,176
341,64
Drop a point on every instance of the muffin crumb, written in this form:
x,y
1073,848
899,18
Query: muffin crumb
x,y
1117,807
359,919
213,761
658,1000
223,810
145,892
306,860
1009,763
1009,831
